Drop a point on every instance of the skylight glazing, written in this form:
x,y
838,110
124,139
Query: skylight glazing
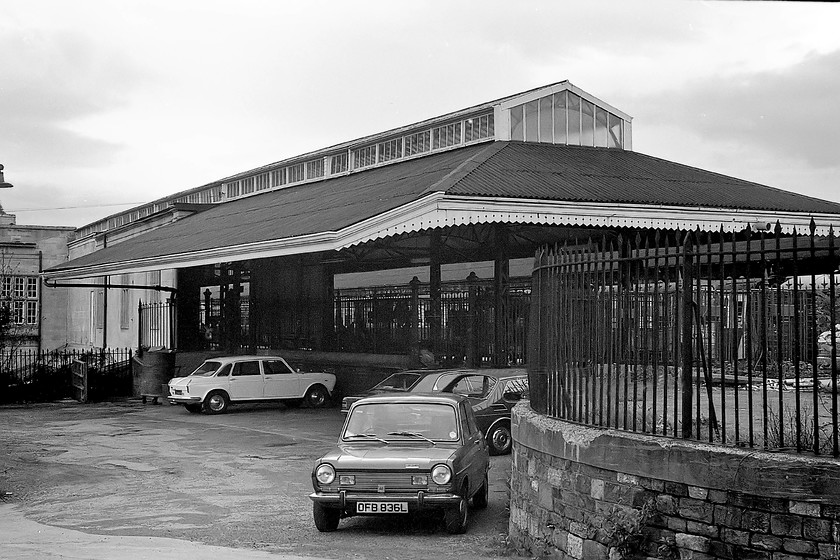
x,y
566,118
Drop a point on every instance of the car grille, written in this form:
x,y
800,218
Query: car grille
x,y
367,481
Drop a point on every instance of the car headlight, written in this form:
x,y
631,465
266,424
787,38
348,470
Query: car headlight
x,y
325,473
347,480
441,474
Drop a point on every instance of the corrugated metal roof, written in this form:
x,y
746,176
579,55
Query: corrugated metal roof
x,y
573,173
292,212
498,170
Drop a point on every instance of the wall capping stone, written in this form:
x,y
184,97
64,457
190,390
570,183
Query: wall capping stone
x,y
696,464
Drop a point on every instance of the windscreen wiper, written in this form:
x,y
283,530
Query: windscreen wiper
x,y
412,434
369,436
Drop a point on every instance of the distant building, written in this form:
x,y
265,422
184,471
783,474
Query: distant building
x,y
38,316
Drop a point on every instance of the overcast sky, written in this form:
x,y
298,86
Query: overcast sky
x,y
108,104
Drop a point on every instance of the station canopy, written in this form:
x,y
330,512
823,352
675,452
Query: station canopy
x,y
554,156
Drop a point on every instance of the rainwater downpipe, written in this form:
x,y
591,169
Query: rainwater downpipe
x,y
105,301
40,301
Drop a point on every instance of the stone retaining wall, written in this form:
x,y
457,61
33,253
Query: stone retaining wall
x,y
588,493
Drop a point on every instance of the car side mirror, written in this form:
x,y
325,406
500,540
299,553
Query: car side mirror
x,y
513,396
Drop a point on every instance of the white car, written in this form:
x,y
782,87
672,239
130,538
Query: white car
x,y
220,382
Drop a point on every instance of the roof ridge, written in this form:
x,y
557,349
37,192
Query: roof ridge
x,y
464,168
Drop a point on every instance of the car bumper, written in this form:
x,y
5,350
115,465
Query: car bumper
x,y
183,399
415,500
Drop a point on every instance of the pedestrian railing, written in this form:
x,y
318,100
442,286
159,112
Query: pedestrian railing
x,y
712,336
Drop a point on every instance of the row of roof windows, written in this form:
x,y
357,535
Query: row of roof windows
x,y
454,134
561,117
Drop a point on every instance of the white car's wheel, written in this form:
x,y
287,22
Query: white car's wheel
x,y
216,402
316,396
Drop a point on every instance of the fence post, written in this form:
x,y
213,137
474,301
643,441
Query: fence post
x,y
173,324
139,324
414,342
473,357
538,341
687,334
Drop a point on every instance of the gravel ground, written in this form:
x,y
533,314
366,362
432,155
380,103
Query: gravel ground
x,y
240,480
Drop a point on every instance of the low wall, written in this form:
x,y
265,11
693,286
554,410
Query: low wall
x,y
588,493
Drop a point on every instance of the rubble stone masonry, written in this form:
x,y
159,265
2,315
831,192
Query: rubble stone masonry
x,y
580,492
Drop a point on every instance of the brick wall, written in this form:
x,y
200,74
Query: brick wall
x,y
586,493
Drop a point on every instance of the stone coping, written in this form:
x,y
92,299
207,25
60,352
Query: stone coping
x,y
758,472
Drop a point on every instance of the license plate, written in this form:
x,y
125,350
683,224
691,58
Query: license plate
x,y
381,507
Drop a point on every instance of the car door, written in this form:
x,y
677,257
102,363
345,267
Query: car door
x,y
281,382
246,381
476,457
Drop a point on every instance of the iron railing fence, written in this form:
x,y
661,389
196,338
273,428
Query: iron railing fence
x,y
158,324
380,320
709,336
42,376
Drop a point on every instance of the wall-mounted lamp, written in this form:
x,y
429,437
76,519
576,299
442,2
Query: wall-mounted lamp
x,y
3,183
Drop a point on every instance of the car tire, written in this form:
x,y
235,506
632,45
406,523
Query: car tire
x,y
455,519
216,402
194,408
316,396
481,497
326,519
499,439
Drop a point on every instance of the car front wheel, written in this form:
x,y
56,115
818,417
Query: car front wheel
x,y
316,396
499,439
481,497
216,402
326,519
456,518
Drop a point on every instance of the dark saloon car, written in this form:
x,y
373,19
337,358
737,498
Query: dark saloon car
x,y
492,393
415,381
403,453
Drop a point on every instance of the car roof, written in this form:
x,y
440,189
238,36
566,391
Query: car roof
x,y
501,373
241,358
434,398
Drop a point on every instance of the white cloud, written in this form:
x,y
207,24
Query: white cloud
x,y
108,102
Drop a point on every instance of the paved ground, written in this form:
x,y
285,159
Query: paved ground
x,y
155,479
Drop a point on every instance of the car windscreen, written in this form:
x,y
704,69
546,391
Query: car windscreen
x,y
207,369
402,421
398,382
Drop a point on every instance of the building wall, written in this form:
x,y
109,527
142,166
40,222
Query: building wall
x,y
25,251
108,318
588,493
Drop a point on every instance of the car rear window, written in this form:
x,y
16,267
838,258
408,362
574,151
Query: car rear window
x,y
398,381
432,383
